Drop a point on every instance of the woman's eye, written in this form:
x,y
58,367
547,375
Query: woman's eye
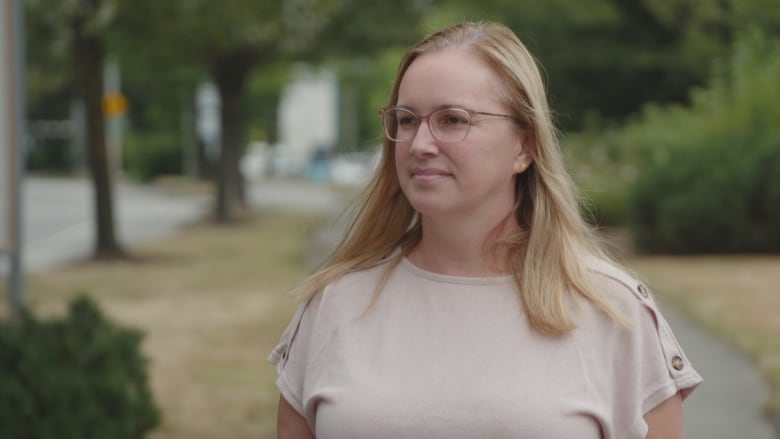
x,y
406,121
453,119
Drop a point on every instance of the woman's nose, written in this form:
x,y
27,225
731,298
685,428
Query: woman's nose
x,y
423,143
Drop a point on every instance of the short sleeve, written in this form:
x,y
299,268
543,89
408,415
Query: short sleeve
x,y
651,366
678,374
290,356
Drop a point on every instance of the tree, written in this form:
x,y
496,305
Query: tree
x,y
230,40
605,59
83,26
227,40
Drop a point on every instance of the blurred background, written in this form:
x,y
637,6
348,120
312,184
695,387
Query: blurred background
x,y
246,126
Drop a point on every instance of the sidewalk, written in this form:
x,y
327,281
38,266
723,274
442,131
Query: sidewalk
x,y
728,404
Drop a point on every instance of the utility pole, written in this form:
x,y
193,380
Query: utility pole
x,y
11,147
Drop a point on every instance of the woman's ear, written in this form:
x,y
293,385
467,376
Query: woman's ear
x,y
524,157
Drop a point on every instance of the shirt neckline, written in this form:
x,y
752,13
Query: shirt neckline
x,y
409,266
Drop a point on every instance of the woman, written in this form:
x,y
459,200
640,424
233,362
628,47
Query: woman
x,y
469,298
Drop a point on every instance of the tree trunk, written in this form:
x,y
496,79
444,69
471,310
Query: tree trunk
x,y
230,74
88,56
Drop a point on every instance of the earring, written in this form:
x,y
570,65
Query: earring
x,y
522,167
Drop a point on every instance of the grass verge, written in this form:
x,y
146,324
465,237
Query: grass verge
x,y
212,303
736,297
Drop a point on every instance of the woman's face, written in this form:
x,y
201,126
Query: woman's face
x,y
475,176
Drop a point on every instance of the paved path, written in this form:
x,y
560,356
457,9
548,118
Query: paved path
x,y
58,230
728,403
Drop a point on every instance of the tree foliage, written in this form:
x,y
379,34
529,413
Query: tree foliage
x,y
231,40
605,59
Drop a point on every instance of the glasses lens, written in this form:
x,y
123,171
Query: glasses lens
x,y
400,124
450,124
447,125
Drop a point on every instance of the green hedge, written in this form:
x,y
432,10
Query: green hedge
x,y
52,156
722,197
710,181
150,155
79,377
697,178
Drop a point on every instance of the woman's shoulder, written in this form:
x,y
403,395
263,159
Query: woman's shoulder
x,y
649,330
342,298
364,276
354,288
616,280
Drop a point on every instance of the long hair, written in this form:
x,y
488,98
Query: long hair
x,y
548,261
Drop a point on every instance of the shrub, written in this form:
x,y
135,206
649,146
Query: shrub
x,y
602,175
696,178
79,377
709,181
720,197
152,155
51,156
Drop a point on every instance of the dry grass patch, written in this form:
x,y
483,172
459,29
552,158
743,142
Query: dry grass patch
x,y
212,303
737,297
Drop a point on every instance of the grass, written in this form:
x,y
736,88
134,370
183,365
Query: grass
x,y
736,297
212,302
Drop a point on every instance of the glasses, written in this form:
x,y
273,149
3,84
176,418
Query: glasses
x,y
448,125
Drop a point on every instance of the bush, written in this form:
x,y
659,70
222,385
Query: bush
x,y
709,181
152,155
727,130
605,208
720,197
80,377
602,175
51,156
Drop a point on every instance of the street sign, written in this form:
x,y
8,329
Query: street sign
x,y
114,104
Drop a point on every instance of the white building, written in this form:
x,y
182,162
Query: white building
x,y
308,120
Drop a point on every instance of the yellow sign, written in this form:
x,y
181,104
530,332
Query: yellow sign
x,y
114,104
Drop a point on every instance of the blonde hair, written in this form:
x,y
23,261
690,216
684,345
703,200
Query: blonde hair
x,y
550,257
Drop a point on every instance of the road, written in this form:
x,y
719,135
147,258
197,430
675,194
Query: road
x,y
58,214
58,218
58,230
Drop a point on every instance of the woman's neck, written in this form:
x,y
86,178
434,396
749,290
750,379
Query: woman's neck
x,y
465,247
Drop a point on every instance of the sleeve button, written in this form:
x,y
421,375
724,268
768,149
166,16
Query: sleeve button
x,y
677,362
643,291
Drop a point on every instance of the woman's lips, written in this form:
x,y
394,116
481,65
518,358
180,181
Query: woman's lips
x,y
428,174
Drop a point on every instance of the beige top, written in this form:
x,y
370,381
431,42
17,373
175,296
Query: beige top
x,y
453,357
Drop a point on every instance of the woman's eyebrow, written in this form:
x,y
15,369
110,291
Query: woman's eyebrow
x,y
436,108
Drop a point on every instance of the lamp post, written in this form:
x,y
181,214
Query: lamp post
x,y
11,146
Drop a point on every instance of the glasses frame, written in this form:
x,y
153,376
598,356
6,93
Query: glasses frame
x,y
423,117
